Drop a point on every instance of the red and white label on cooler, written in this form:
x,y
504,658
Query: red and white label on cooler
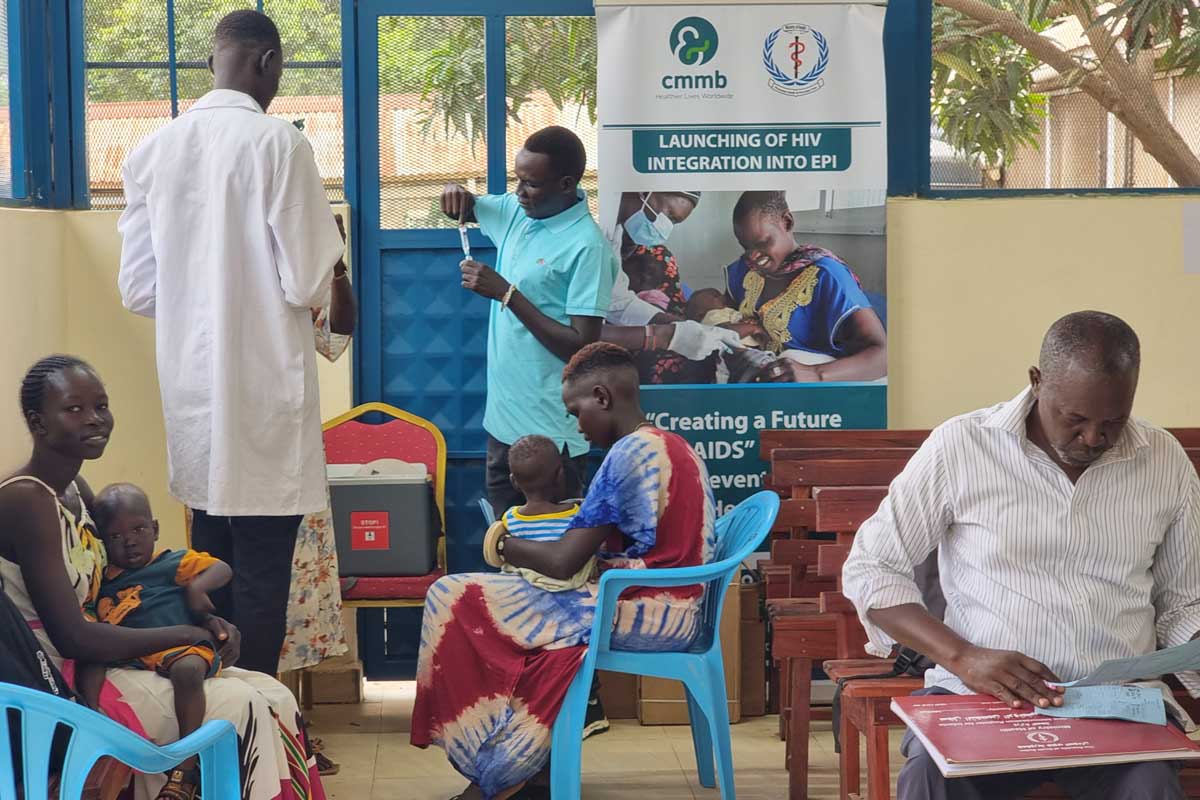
x,y
368,530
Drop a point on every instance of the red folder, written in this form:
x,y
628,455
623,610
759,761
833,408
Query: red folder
x,y
978,735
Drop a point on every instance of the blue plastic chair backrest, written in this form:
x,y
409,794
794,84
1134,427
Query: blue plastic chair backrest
x,y
738,533
489,516
92,735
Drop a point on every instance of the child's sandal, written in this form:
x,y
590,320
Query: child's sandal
x,y
181,785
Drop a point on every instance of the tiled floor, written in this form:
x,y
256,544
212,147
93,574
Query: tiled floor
x,y
370,741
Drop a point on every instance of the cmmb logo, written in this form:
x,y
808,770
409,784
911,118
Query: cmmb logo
x,y
795,56
693,42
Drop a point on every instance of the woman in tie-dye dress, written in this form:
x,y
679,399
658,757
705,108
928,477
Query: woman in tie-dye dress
x,y
497,654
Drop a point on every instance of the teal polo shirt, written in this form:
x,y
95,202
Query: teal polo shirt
x,y
565,267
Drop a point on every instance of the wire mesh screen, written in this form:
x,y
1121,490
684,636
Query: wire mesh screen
x,y
128,83
310,94
1119,108
6,161
432,115
116,122
550,79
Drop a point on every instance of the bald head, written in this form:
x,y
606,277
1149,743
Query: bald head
x,y
1093,342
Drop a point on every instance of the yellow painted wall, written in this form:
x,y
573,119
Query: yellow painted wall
x,y
120,346
34,314
972,286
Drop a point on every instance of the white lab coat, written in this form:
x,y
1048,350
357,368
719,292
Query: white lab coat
x,y
228,242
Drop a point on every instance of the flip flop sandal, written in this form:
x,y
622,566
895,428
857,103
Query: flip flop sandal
x,y
325,765
181,785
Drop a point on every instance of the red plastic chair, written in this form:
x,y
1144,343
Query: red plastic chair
x,y
409,438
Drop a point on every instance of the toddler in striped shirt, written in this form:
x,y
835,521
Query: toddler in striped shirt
x,y
536,471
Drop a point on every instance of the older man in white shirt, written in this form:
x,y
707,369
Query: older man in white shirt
x,y
228,242
1067,534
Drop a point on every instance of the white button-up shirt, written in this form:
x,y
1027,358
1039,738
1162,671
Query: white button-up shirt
x,y
228,242
1068,574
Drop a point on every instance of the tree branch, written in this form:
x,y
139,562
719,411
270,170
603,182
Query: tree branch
x,y
1140,109
952,41
1116,89
1038,46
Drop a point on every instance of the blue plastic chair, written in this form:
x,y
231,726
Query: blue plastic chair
x,y
489,516
700,669
94,735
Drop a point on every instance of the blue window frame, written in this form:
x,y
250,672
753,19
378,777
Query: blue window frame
x,y
35,81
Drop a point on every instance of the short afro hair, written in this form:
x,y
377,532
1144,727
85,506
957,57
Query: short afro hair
x,y
1093,340
533,459
562,147
247,27
598,357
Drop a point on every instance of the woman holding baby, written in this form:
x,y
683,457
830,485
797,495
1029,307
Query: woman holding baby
x,y
498,651
812,312
51,567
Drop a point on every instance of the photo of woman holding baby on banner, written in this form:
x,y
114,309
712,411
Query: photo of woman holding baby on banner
x,y
802,312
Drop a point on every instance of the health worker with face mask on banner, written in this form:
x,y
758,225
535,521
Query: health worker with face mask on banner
x,y
646,220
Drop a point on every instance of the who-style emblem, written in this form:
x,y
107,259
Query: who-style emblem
x,y
795,57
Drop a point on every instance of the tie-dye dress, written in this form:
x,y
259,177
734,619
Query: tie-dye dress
x,y
498,654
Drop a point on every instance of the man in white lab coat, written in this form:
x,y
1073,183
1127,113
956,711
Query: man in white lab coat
x,y
228,242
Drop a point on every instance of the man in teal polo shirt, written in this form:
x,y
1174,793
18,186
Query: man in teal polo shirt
x,y
550,292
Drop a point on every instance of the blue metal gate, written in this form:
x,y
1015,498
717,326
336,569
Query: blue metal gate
x,y
422,339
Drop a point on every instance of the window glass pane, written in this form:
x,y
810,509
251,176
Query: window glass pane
x,y
125,30
125,103
550,79
194,24
6,187
123,107
311,96
432,115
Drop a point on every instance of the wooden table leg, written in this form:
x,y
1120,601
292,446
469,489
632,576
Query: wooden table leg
x,y
801,695
879,772
306,690
785,688
848,776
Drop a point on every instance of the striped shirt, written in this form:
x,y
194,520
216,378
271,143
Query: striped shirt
x,y
1068,574
539,527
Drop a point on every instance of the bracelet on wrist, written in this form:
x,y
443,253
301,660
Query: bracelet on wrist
x,y
508,295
